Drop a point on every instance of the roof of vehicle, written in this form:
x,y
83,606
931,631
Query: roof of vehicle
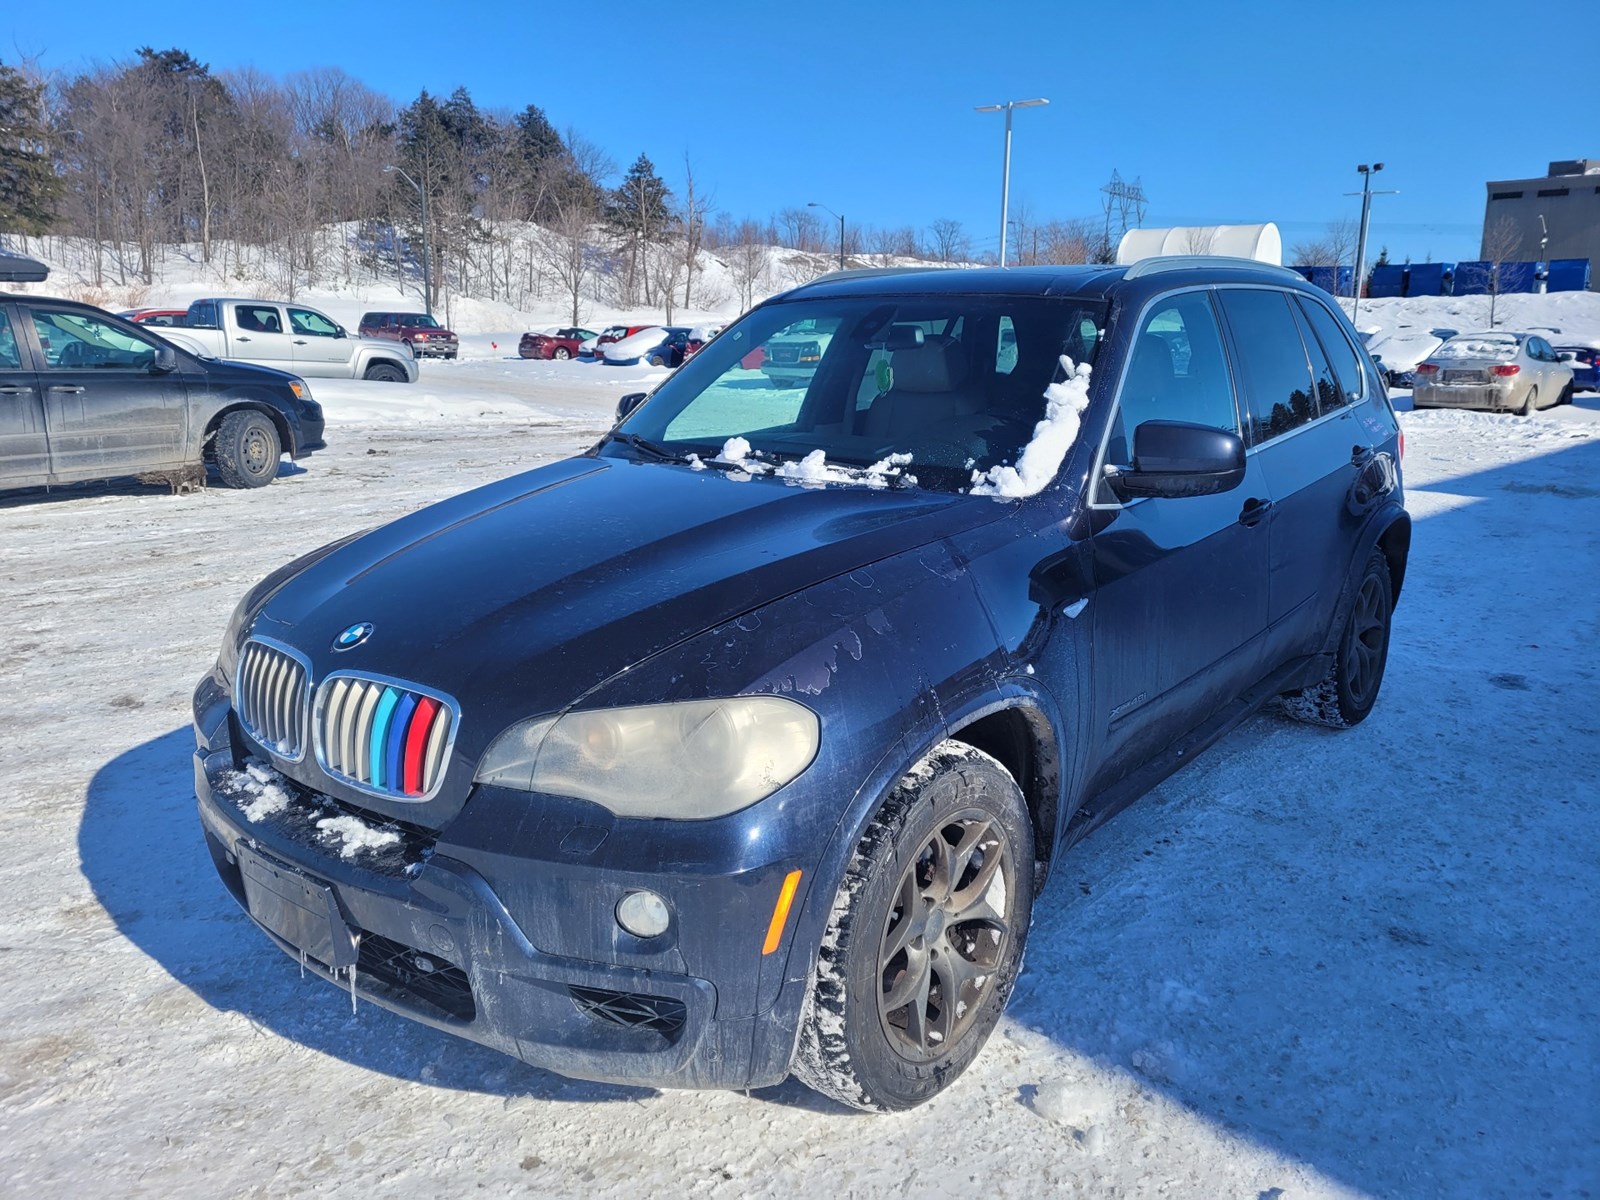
x,y
1092,279
250,300
19,268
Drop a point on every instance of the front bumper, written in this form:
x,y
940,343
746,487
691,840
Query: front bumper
x,y
435,349
429,937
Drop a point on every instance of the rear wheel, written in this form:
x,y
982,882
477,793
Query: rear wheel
x,y
1531,404
1566,395
925,938
1345,696
247,449
382,372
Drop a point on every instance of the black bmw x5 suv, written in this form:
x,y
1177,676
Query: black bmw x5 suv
x,y
740,744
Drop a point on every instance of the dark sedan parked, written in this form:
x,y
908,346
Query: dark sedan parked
x,y
85,395
739,744
1585,364
563,343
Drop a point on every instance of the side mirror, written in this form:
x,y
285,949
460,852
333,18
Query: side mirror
x,y
1176,458
628,403
339,331
166,359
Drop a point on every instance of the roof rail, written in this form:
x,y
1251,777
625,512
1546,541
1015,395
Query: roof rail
x,y
866,272
1201,262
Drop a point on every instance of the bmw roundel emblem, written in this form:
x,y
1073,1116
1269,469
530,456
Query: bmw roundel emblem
x,y
353,637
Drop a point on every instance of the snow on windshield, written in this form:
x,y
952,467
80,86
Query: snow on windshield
x,y
1052,437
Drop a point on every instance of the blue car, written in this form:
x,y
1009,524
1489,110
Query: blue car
x,y
738,745
1585,364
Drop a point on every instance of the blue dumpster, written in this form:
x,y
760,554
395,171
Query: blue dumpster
x,y
1568,275
1388,280
1433,279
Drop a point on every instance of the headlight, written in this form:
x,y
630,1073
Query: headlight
x,y
299,388
228,656
685,762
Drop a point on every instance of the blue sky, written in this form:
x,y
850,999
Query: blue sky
x,y
1227,112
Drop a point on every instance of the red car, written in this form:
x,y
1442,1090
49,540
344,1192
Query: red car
x,y
422,335
563,343
616,333
167,317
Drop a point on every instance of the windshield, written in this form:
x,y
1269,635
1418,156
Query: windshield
x,y
957,383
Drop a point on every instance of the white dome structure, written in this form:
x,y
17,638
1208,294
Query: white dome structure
x,y
1259,242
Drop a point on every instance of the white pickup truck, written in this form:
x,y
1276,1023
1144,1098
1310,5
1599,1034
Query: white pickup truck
x,y
289,337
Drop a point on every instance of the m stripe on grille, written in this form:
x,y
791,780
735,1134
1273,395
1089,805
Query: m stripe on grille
x,y
383,736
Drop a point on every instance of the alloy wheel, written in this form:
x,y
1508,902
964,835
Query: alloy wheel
x,y
1369,631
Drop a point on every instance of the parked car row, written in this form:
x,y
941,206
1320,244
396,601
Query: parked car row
x,y
619,345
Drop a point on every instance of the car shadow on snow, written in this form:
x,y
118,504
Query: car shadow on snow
x,y
141,849
124,486
1373,951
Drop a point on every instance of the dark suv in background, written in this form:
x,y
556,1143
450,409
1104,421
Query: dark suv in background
x,y
420,333
740,744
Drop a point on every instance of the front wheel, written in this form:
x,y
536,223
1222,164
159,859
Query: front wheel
x,y
1346,694
383,372
925,938
1566,395
562,353
247,449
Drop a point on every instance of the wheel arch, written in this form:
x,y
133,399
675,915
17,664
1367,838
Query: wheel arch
x,y
1022,739
281,422
1395,542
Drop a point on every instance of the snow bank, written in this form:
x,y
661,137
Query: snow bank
x,y
1042,457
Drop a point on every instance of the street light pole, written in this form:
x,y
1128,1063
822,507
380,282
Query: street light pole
x,y
1005,169
1366,195
1544,240
840,217
427,254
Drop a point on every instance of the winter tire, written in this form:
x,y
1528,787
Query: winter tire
x,y
1347,693
383,372
1531,404
247,449
562,353
1566,396
925,938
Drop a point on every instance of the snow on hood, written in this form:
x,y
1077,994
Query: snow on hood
x,y
636,344
1042,457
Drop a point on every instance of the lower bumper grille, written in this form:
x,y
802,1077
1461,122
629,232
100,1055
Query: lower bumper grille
x,y
632,1010
421,978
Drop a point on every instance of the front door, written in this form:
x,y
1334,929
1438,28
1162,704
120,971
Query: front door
x,y
320,347
24,449
260,336
107,411
1180,597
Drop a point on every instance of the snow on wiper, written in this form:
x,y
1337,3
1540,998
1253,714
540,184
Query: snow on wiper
x,y
815,469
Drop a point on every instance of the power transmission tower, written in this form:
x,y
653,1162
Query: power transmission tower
x,y
1123,199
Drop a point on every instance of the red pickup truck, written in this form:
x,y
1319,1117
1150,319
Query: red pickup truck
x,y
420,333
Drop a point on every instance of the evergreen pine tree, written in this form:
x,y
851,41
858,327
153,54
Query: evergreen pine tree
x,y
29,186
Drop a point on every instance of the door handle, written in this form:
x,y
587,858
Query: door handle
x,y
299,341
11,389
1254,510
241,339
62,387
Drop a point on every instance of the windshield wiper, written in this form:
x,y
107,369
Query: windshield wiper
x,y
643,444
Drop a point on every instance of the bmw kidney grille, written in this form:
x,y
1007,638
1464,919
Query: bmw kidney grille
x,y
384,736
270,698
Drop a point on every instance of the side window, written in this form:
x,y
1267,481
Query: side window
x,y
203,315
1329,395
1177,372
1272,362
1005,353
257,318
75,341
10,356
1342,356
311,323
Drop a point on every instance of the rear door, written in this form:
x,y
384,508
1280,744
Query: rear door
x,y
260,334
106,410
320,346
1181,583
1304,435
24,448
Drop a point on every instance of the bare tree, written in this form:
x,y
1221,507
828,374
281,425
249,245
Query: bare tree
x,y
1501,244
949,241
748,264
696,207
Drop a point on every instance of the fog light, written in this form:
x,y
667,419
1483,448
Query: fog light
x,y
643,914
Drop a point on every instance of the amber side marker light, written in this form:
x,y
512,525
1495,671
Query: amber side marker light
x,y
780,912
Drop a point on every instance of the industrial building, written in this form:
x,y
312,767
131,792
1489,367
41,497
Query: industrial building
x,y
1568,200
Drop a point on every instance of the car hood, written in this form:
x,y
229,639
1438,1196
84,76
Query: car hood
x,y
519,598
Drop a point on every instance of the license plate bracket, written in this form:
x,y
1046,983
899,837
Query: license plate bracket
x,y
300,910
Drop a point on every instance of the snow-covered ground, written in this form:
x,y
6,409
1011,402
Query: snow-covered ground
x,y
1312,964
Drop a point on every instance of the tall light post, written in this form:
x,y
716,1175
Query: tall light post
x,y
1005,171
1366,193
1544,240
838,217
427,254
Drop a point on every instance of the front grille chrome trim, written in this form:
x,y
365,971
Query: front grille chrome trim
x,y
342,716
271,694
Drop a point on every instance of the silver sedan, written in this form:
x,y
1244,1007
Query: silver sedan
x,y
1517,372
